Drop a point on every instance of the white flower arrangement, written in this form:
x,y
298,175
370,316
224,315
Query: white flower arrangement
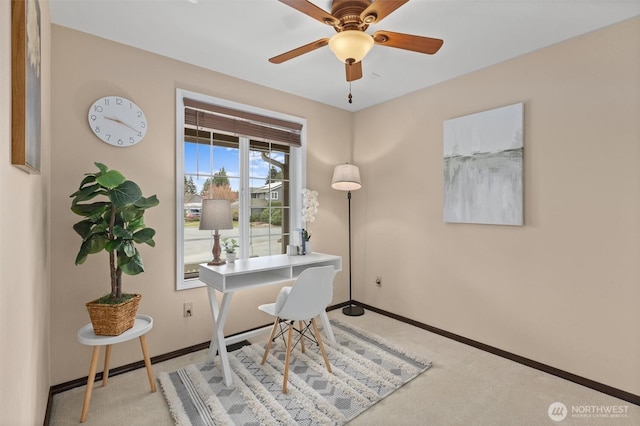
x,y
309,205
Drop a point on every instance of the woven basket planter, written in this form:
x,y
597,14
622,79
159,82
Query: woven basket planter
x,y
113,320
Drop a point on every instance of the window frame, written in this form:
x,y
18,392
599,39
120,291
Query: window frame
x,y
297,175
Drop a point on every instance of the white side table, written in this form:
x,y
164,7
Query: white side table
x,y
86,336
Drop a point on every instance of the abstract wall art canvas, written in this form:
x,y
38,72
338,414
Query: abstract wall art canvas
x,y
483,155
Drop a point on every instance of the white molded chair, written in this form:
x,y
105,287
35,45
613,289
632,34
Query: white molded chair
x,y
306,299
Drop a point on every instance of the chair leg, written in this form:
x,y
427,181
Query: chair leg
x,y
301,325
273,333
286,360
324,354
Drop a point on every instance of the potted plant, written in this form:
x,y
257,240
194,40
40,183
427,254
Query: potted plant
x,y
229,245
113,210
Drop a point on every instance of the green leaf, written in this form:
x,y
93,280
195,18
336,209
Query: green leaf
x,y
113,245
129,249
83,228
131,213
132,265
120,232
125,194
102,167
136,224
144,235
111,179
100,227
146,203
90,210
89,177
95,243
81,257
87,193
92,245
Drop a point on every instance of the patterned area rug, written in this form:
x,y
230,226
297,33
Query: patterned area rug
x,y
365,368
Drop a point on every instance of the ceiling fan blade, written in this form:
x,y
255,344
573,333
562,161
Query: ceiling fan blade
x,y
299,51
408,42
354,71
379,9
312,10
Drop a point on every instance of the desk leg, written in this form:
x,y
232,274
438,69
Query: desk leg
x,y
327,327
90,379
215,312
219,314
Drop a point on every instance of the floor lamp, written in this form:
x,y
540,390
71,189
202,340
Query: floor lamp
x,y
346,177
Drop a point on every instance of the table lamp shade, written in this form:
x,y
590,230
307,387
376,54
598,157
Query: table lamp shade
x,y
215,215
346,177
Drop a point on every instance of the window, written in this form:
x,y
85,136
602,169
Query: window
x,y
253,158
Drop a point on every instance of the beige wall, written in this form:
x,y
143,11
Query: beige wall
x,y
86,68
563,289
24,256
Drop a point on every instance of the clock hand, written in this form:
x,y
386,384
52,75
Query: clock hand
x,y
123,123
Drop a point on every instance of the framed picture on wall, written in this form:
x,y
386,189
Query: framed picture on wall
x,y
26,84
483,155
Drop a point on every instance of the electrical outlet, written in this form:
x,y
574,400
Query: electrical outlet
x,y
379,281
188,309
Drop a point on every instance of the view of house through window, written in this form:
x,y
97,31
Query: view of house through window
x,y
212,169
269,198
253,158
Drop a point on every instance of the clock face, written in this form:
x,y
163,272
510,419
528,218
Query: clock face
x,y
117,121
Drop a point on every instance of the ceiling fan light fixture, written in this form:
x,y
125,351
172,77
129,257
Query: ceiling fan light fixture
x,y
350,45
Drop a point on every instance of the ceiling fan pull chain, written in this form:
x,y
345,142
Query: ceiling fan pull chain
x,y
350,96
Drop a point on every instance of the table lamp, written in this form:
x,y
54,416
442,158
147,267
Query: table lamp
x,y
216,215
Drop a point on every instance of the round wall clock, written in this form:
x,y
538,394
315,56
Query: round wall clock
x,y
117,121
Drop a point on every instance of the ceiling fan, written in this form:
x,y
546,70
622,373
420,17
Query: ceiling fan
x,y
350,44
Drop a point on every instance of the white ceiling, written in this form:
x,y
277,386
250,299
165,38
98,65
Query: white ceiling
x,y
237,37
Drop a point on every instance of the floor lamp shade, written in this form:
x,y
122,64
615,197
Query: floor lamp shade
x,y
216,215
346,177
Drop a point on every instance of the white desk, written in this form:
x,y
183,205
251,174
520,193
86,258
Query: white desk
x,y
250,273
